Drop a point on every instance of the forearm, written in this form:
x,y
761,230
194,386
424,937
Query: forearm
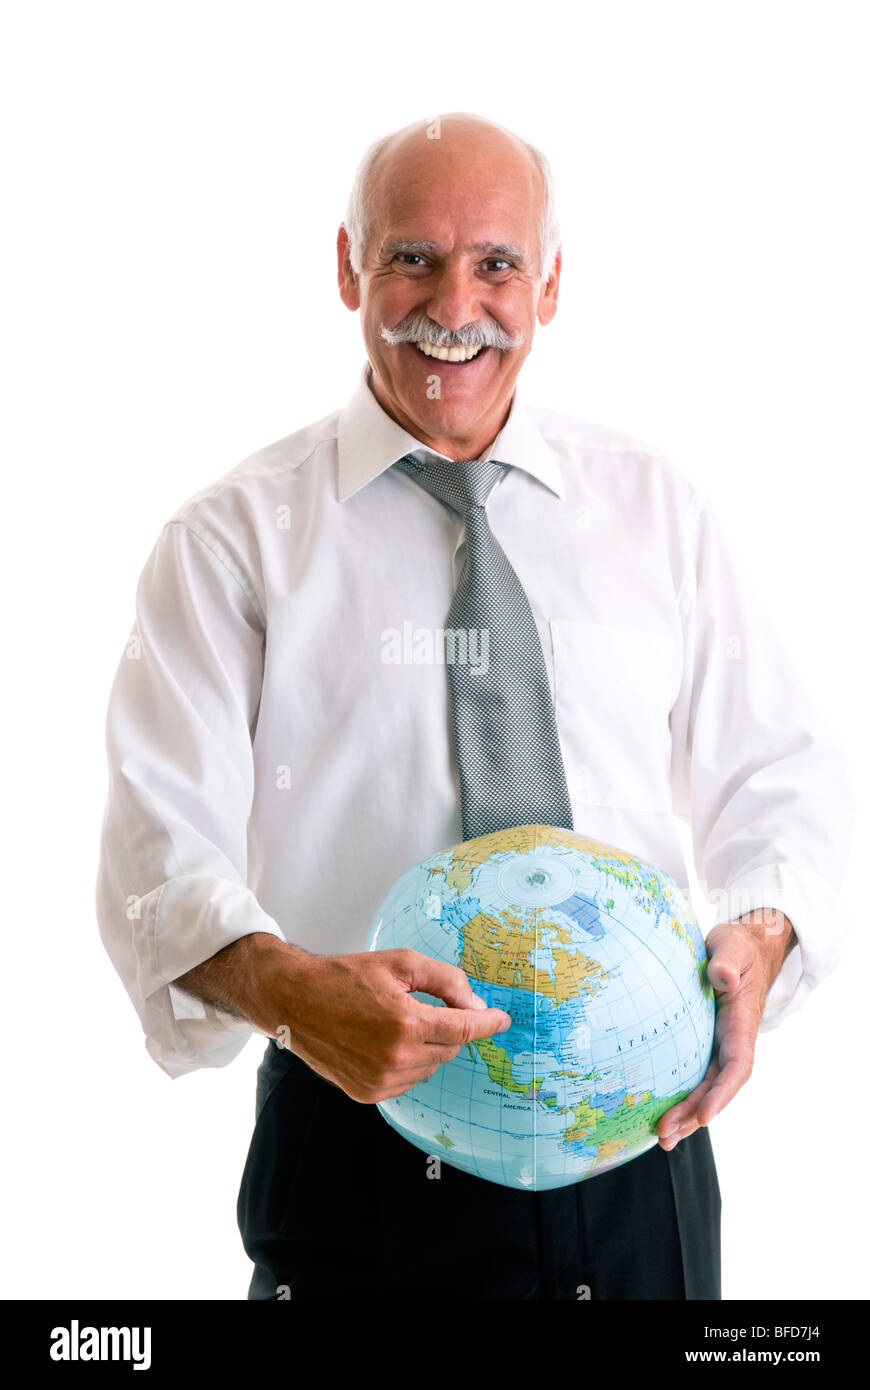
x,y
234,979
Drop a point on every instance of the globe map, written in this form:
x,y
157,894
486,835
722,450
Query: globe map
x,y
598,959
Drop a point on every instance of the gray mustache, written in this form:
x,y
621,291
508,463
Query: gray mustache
x,y
470,335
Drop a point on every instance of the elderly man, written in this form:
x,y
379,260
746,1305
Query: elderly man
x,y
272,772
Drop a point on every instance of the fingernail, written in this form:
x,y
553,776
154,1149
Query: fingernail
x,y
509,1023
478,1002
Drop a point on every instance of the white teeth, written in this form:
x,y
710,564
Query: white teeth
x,y
444,354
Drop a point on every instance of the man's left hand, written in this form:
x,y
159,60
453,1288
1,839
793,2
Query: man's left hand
x,y
744,958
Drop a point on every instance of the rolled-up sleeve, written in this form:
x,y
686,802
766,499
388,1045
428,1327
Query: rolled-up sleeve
x,y
171,883
756,769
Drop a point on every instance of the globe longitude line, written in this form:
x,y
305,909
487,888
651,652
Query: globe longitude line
x,y
514,963
537,912
614,1060
666,969
557,1023
480,869
441,1110
639,1022
470,1089
499,1157
691,1015
466,1071
642,1022
669,974
562,1037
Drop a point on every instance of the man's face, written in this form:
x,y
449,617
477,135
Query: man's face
x,y
454,242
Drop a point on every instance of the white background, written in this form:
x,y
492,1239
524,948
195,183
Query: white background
x,y
174,176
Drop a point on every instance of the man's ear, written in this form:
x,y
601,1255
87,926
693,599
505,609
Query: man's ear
x,y
348,284
548,297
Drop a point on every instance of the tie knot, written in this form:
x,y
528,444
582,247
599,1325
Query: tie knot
x,y
461,486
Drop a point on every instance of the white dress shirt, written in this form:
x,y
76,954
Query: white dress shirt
x,y
271,769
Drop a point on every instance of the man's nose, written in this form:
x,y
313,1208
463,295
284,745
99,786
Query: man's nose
x,y
453,301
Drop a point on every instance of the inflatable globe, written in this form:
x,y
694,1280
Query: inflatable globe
x,y
601,965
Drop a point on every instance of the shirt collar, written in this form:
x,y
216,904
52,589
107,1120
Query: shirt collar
x,y
370,442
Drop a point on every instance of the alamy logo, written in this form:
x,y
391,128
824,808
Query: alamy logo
x,y
76,1343
426,646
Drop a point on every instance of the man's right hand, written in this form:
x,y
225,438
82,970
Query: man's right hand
x,y
352,1018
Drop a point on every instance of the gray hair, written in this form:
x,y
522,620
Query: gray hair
x,y
358,217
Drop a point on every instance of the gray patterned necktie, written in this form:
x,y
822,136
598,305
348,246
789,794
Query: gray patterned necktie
x,y
504,725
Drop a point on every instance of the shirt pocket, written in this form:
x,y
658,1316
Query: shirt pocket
x,y
613,690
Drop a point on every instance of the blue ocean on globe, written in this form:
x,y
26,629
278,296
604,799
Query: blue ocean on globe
x,y
598,959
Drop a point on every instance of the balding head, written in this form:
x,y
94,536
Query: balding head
x,y
467,143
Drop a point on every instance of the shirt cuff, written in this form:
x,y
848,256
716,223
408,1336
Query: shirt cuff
x,y
810,904
193,919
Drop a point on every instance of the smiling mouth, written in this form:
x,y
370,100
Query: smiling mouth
x,y
449,354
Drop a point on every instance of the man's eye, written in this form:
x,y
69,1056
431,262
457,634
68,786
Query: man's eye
x,y
406,256
497,265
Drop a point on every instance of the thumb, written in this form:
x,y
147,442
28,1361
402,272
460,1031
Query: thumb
x,y
728,957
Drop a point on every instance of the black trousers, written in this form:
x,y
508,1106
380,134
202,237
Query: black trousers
x,y
334,1204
